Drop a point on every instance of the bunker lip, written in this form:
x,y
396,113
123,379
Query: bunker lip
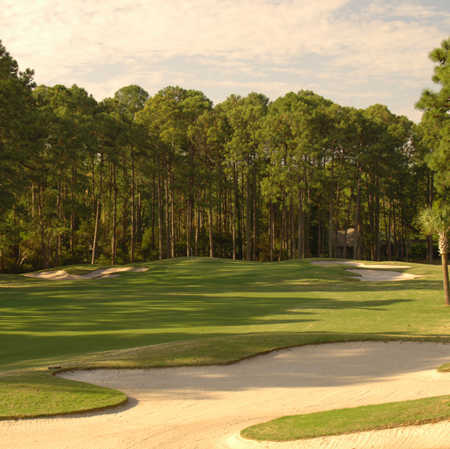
x,y
206,407
426,436
96,274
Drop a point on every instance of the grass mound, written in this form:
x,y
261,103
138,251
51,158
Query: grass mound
x,y
358,419
40,394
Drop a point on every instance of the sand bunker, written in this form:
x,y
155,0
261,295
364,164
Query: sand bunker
x,y
384,275
358,264
96,274
207,407
372,274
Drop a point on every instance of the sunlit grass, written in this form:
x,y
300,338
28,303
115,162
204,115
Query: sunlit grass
x,y
358,419
203,311
39,394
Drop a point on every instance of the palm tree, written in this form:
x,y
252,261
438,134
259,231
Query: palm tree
x,y
436,220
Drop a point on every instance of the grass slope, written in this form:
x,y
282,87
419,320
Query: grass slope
x,y
199,311
38,394
358,419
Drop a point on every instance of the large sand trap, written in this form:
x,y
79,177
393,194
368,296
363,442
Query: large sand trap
x,y
383,275
329,263
206,407
372,274
96,274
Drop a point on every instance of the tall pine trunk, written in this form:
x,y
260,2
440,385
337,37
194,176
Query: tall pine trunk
x,y
331,230
254,205
236,214
167,217
160,220
188,228
172,222
271,225
210,231
97,200
248,222
430,204
357,233
72,213
133,210
114,218
443,249
94,241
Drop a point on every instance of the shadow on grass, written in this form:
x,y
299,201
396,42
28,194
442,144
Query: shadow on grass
x,y
62,329
200,298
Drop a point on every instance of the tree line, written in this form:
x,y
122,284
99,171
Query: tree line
x,y
138,177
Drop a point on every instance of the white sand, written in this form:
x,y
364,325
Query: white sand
x,y
383,275
358,264
96,274
206,407
372,274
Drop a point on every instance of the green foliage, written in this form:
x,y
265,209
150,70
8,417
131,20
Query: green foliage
x,y
17,128
138,176
435,220
131,99
436,120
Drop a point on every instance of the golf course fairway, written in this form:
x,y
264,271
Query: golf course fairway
x,y
187,312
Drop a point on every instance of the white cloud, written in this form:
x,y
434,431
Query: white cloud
x,y
65,40
406,10
160,28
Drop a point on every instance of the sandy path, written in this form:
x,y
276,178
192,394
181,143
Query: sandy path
x,y
206,407
372,273
96,274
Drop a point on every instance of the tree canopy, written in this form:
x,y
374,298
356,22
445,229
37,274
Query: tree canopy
x,y
436,119
435,134
138,176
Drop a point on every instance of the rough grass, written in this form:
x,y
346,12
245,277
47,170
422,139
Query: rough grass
x,y
358,419
202,311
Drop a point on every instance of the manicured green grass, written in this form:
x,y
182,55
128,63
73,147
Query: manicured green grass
x,y
39,394
205,311
358,419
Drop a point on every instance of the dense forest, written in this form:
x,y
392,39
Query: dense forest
x,y
138,177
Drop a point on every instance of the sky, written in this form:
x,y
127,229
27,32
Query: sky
x,y
354,52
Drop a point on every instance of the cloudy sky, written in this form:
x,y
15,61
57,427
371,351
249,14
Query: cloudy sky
x,y
355,52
